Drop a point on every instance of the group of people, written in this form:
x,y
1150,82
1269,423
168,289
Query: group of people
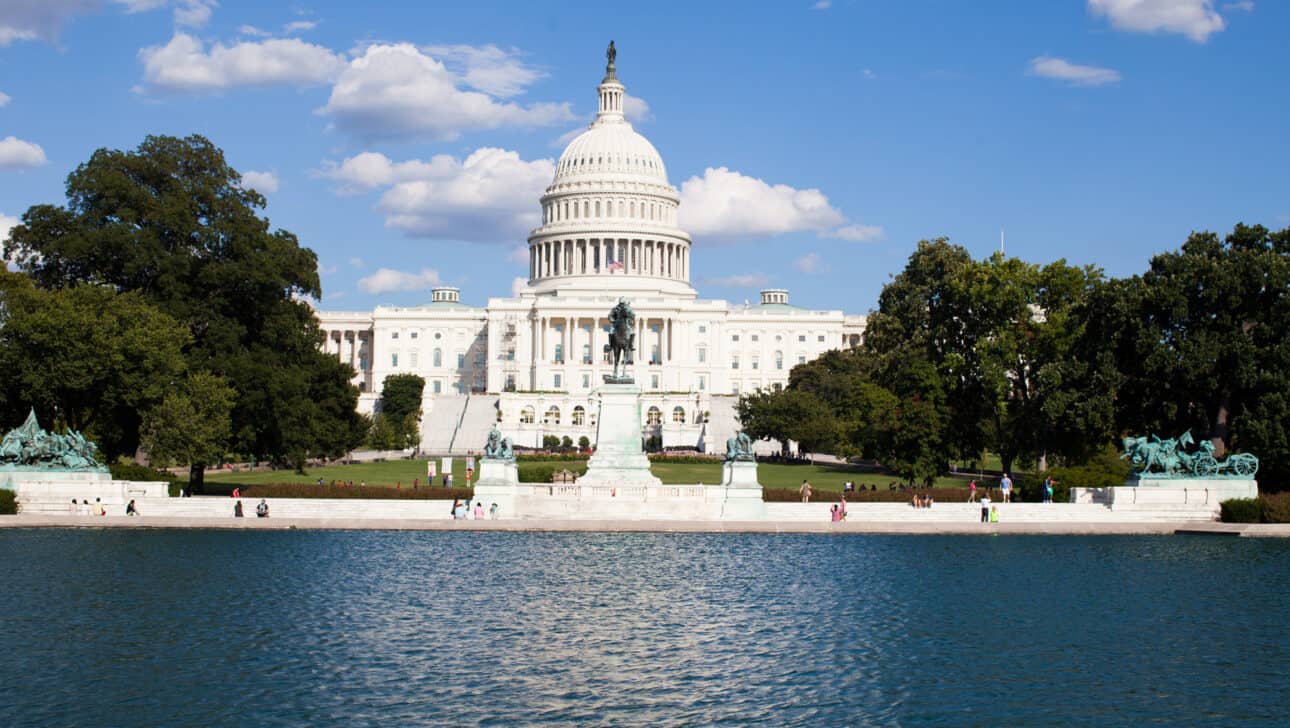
x,y
839,510
261,510
85,508
922,501
461,510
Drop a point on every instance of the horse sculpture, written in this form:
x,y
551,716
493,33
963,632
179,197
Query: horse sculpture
x,y
1153,457
622,340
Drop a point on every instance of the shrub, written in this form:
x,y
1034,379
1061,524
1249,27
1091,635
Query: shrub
x,y
1276,507
127,470
562,457
550,442
820,495
1241,510
542,472
376,492
8,504
566,443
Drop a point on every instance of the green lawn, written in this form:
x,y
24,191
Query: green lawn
x,y
824,478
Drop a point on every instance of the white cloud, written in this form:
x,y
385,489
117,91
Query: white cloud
x,y
194,13
518,254
325,270
809,263
266,183
6,224
398,91
635,109
1195,19
518,284
17,154
139,6
488,197
857,233
297,26
4,99
253,31
38,19
741,280
185,65
725,203
1245,6
356,262
823,4
388,280
1073,74
487,68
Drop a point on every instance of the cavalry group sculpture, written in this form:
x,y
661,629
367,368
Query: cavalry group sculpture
x,y
1155,458
31,448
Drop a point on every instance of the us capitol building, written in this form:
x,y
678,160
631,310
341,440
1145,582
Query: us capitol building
x,y
532,363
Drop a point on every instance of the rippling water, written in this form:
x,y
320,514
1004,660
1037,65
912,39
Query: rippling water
x,y
164,628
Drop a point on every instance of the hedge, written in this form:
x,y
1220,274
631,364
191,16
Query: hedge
x,y
8,505
542,472
940,495
313,490
1272,508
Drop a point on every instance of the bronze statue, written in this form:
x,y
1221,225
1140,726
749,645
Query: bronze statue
x,y
31,448
739,448
498,447
611,54
622,340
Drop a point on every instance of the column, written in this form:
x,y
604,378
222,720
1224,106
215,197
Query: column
x,y
569,323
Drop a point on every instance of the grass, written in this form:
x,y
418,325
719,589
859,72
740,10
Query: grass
x,y
823,478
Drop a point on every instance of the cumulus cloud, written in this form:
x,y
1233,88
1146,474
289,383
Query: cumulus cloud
x,y
186,65
4,99
6,224
1195,19
487,68
518,254
809,263
726,204
194,13
1245,6
740,280
388,280
488,197
356,262
266,183
299,26
393,91
823,4
518,284
857,233
38,19
18,154
1072,73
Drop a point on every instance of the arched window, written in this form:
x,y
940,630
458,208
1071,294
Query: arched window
x,y
579,415
552,416
526,416
438,357
678,415
653,417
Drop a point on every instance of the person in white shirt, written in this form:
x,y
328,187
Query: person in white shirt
x,y
985,509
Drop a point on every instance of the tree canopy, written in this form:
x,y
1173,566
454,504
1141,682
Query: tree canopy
x,y
171,223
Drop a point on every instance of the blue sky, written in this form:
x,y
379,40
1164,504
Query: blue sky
x,y
406,143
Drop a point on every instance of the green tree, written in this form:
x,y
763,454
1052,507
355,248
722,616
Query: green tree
x,y
401,407
191,426
87,358
789,415
171,221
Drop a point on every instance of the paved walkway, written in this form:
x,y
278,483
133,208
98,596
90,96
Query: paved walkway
x,y
626,526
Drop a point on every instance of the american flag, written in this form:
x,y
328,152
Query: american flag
x,y
616,265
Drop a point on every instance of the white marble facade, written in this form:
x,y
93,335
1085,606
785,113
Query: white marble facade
x,y
609,229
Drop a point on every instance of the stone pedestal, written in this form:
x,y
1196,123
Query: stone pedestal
x,y
740,474
619,459
497,472
498,483
1178,494
740,492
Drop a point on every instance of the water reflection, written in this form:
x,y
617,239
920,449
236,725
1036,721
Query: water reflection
x,y
321,628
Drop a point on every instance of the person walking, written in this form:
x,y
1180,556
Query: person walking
x,y
237,509
1005,486
842,508
262,510
985,509
805,492
972,492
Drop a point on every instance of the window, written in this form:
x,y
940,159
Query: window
x,y
413,335
526,415
703,329
653,417
394,360
820,338
756,362
734,337
586,353
556,381
437,386
438,358
461,361
678,415
754,337
653,381
734,362
801,358
801,338
394,334
412,359
510,383
734,387
552,416
437,336
654,357
703,354
579,415
703,383
559,354
778,338
779,360
586,381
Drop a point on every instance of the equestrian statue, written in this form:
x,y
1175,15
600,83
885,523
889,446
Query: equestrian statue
x,y
622,341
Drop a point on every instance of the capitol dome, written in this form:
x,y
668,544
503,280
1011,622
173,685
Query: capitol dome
x,y
609,217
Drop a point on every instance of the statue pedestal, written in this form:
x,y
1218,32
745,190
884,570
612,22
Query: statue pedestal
x,y
619,459
1177,495
498,482
741,496
740,474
